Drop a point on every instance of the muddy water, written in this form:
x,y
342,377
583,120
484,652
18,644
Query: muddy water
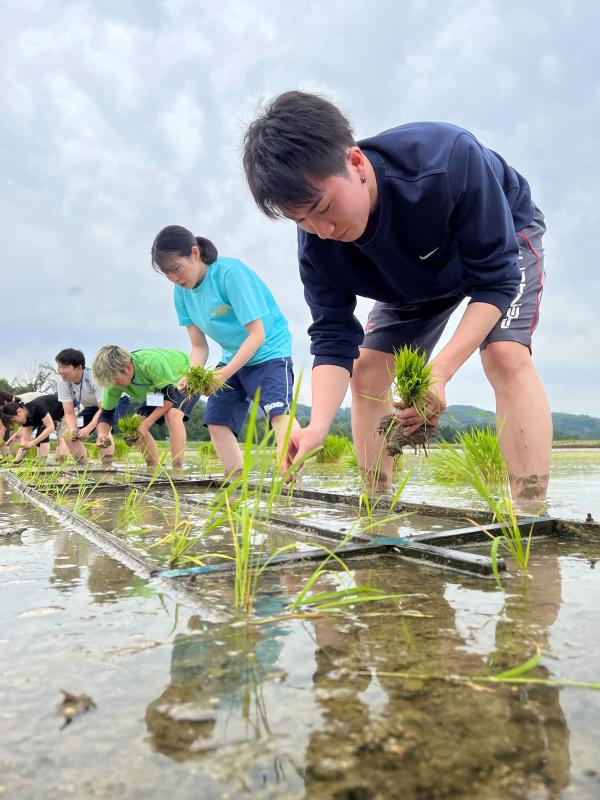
x,y
573,491
296,709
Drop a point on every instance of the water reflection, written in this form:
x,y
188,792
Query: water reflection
x,y
216,685
430,738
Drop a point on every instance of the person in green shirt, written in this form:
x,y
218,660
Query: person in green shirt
x,y
149,377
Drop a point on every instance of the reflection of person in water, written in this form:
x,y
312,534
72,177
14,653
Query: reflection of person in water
x,y
390,737
216,673
107,579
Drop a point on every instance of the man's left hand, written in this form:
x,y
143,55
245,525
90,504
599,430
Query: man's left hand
x,y
435,403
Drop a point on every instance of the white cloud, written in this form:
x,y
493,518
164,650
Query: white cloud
x,y
122,118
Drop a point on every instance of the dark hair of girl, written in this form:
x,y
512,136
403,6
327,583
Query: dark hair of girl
x,y
8,411
6,397
174,240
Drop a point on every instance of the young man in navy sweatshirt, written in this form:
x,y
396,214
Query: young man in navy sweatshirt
x,y
416,218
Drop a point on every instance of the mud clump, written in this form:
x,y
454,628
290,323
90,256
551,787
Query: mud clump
x,y
395,439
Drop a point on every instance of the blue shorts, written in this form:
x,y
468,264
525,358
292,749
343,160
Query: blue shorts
x,y
179,400
229,406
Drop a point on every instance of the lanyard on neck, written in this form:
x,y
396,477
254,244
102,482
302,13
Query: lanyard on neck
x,y
80,388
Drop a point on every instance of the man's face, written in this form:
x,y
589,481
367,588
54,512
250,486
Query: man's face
x,y
124,378
342,211
69,373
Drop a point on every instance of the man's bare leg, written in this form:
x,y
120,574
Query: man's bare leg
x,y
523,418
370,383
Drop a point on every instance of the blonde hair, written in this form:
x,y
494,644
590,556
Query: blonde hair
x,y
109,362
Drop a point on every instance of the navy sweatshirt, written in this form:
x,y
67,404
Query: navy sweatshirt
x,y
439,190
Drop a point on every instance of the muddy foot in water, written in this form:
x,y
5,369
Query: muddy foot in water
x,y
531,487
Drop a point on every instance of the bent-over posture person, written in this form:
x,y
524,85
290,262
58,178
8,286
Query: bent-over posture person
x,y
224,299
81,399
38,419
149,377
418,218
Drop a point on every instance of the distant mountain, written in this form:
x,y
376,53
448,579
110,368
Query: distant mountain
x,y
457,418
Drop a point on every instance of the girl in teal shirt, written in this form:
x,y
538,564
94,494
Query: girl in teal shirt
x,y
224,299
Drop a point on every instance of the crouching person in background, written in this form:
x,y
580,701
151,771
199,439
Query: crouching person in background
x,y
81,399
149,377
38,419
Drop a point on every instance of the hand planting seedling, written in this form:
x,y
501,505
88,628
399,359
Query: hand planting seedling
x,y
201,380
71,436
129,428
411,386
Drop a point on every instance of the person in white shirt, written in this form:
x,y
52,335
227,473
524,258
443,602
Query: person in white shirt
x,y
82,403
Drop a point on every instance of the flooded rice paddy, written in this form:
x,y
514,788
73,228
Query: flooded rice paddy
x,y
355,706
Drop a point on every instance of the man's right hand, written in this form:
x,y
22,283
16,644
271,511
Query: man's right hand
x,y
301,443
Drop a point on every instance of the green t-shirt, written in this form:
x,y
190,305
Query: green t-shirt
x,y
154,369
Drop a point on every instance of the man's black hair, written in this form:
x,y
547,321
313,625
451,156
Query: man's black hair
x,y
71,357
298,138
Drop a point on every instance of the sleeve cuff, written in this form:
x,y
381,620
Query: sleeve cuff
x,y
333,361
498,299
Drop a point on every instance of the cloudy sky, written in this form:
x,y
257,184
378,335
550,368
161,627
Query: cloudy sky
x,y
120,117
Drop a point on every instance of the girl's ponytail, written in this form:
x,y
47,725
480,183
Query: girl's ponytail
x,y
208,252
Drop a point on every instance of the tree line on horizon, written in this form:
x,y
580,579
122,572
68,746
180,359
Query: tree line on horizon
x,y
455,420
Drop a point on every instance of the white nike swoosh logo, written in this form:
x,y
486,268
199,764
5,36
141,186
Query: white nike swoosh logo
x,y
429,254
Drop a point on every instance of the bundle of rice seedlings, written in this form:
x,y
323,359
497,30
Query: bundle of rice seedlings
x,y
412,383
482,448
334,447
129,428
207,450
201,380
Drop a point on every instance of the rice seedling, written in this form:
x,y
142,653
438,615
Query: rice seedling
x,y
334,447
518,675
333,601
411,385
132,508
121,449
178,535
483,448
201,380
207,449
82,502
246,504
129,428
367,507
467,468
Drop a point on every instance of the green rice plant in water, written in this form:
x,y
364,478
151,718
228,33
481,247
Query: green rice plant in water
x,y
467,468
121,449
412,381
334,447
483,449
132,509
246,503
201,380
367,508
518,675
129,428
207,449
179,535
